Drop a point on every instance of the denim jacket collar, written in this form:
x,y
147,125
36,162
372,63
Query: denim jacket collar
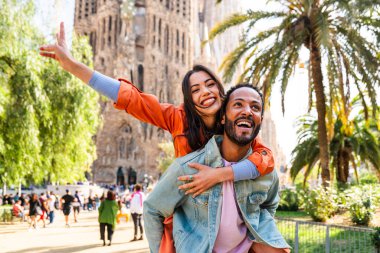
x,y
213,156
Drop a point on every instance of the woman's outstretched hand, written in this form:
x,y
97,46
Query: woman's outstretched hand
x,y
61,53
206,178
59,50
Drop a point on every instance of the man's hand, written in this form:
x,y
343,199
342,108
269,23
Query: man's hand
x,y
205,179
59,50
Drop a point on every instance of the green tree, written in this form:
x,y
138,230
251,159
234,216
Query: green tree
x,y
47,116
17,66
332,33
167,155
361,146
72,120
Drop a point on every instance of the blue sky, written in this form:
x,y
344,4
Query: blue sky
x,y
49,15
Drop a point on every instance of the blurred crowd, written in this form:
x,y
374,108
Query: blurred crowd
x,y
40,210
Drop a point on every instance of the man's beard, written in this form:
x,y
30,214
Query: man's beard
x,y
240,140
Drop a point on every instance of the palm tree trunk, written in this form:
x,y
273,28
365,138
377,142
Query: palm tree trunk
x,y
316,62
346,165
352,159
343,166
339,167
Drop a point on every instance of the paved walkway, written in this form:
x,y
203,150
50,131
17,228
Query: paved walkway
x,y
80,237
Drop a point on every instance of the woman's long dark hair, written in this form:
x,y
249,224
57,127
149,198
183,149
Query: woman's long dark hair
x,y
197,133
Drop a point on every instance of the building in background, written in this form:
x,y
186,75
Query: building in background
x,y
152,43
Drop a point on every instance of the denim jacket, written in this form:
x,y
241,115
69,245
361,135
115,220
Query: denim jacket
x,y
196,220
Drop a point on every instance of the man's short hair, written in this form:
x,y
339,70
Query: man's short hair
x,y
238,86
67,190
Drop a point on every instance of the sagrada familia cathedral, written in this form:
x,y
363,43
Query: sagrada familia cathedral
x,y
152,43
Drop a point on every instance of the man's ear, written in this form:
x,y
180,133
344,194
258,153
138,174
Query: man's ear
x,y
223,119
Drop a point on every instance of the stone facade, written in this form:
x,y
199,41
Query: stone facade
x,y
269,136
153,43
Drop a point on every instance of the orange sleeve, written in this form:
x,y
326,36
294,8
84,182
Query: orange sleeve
x,y
262,157
147,108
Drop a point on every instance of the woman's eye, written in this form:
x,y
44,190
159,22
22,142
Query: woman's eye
x,y
195,91
210,84
237,104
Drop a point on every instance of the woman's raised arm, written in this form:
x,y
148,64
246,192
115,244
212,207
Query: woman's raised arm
x,y
61,53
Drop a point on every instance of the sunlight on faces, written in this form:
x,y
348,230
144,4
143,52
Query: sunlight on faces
x,y
205,94
243,116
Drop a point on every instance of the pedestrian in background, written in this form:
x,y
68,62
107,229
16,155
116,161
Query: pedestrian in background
x,y
18,210
76,195
51,206
97,201
22,199
107,217
44,209
90,204
34,210
76,209
137,200
65,203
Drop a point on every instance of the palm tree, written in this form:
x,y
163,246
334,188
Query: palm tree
x,y
332,33
362,145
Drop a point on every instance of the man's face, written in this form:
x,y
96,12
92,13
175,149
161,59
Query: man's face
x,y
242,119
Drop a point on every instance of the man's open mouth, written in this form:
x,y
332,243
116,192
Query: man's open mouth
x,y
244,123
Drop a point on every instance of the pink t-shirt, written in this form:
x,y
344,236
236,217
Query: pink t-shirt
x,y
232,235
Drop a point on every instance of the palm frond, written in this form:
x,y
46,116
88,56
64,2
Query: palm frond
x,y
322,29
232,60
363,62
362,48
306,154
238,19
287,70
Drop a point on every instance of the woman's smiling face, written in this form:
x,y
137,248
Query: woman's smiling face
x,y
205,94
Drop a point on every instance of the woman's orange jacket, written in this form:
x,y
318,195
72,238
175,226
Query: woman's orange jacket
x,y
147,108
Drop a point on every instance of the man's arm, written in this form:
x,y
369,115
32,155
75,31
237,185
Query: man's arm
x,y
273,198
160,204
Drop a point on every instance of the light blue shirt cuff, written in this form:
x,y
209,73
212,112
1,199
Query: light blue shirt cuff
x,y
245,170
105,85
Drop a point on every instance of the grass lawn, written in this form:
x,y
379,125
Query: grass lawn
x,y
298,215
312,235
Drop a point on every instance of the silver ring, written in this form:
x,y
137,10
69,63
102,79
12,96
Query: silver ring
x,y
191,177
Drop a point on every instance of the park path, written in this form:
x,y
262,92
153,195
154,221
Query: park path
x,y
80,237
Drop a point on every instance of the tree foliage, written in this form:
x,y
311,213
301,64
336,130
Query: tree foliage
x,y
360,147
48,117
340,37
167,156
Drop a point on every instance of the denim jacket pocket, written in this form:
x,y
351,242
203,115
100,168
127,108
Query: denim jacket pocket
x,y
253,203
201,200
257,198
